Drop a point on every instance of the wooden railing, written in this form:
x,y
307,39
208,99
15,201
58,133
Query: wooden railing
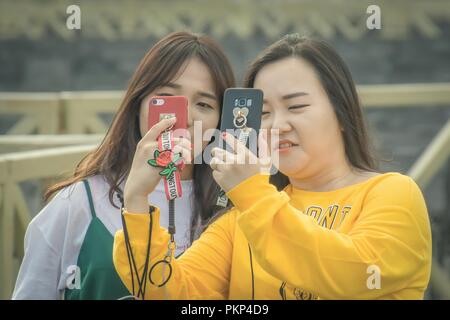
x,y
16,143
40,112
423,170
59,113
14,213
79,112
63,109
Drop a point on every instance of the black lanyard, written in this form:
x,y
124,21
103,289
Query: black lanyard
x,y
131,261
171,247
142,284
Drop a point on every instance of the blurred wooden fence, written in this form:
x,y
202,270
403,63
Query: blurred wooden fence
x,y
68,125
80,112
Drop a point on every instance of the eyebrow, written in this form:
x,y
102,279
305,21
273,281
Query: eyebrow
x,y
172,85
294,95
291,95
200,93
207,95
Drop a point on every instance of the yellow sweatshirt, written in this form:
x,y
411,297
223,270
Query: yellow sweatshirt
x,y
371,240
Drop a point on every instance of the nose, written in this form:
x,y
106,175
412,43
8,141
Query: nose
x,y
281,123
190,120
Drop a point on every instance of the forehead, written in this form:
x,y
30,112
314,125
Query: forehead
x,y
195,75
285,76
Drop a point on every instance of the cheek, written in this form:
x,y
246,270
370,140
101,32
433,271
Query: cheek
x,y
310,135
329,134
296,162
266,125
209,120
317,131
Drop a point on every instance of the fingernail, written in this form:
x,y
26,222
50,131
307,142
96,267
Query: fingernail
x,y
224,134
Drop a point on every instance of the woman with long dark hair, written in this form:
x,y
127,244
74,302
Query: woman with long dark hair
x,y
329,225
68,245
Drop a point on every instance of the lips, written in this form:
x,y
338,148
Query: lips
x,y
284,145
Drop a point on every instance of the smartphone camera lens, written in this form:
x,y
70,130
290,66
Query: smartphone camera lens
x,y
157,102
242,102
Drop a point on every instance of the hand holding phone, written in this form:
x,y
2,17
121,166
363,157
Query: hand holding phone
x,y
241,117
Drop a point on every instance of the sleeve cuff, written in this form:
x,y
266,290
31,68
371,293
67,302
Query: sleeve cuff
x,y
138,224
250,191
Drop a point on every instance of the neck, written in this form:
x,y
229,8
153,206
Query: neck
x,y
327,180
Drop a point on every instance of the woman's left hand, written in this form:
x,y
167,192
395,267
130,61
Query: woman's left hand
x,y
232,168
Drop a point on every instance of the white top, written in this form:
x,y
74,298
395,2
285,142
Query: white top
x,y
54,237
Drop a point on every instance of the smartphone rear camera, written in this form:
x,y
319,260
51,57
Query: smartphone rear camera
x,y
158,102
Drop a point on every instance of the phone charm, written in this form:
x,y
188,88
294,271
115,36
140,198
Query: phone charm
x,y
172,164
240,117
240,122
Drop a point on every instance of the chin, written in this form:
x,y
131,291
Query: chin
x,y
290,170
290,166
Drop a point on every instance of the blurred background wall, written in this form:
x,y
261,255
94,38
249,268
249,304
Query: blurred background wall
x,y
39,54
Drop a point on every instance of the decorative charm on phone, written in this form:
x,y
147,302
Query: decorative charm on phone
x,y
240,117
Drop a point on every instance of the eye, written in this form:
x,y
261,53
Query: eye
x,y
298,106
164,94
265,113
205,105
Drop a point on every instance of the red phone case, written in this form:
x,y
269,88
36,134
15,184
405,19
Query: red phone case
x,y
160,106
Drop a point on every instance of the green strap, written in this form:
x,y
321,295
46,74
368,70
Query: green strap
x,y
89,194
99,279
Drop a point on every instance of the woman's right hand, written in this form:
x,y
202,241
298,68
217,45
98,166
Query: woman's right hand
x,y
143,178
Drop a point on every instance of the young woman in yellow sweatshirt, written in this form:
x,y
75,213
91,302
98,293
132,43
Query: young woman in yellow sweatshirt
x,y
326,226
